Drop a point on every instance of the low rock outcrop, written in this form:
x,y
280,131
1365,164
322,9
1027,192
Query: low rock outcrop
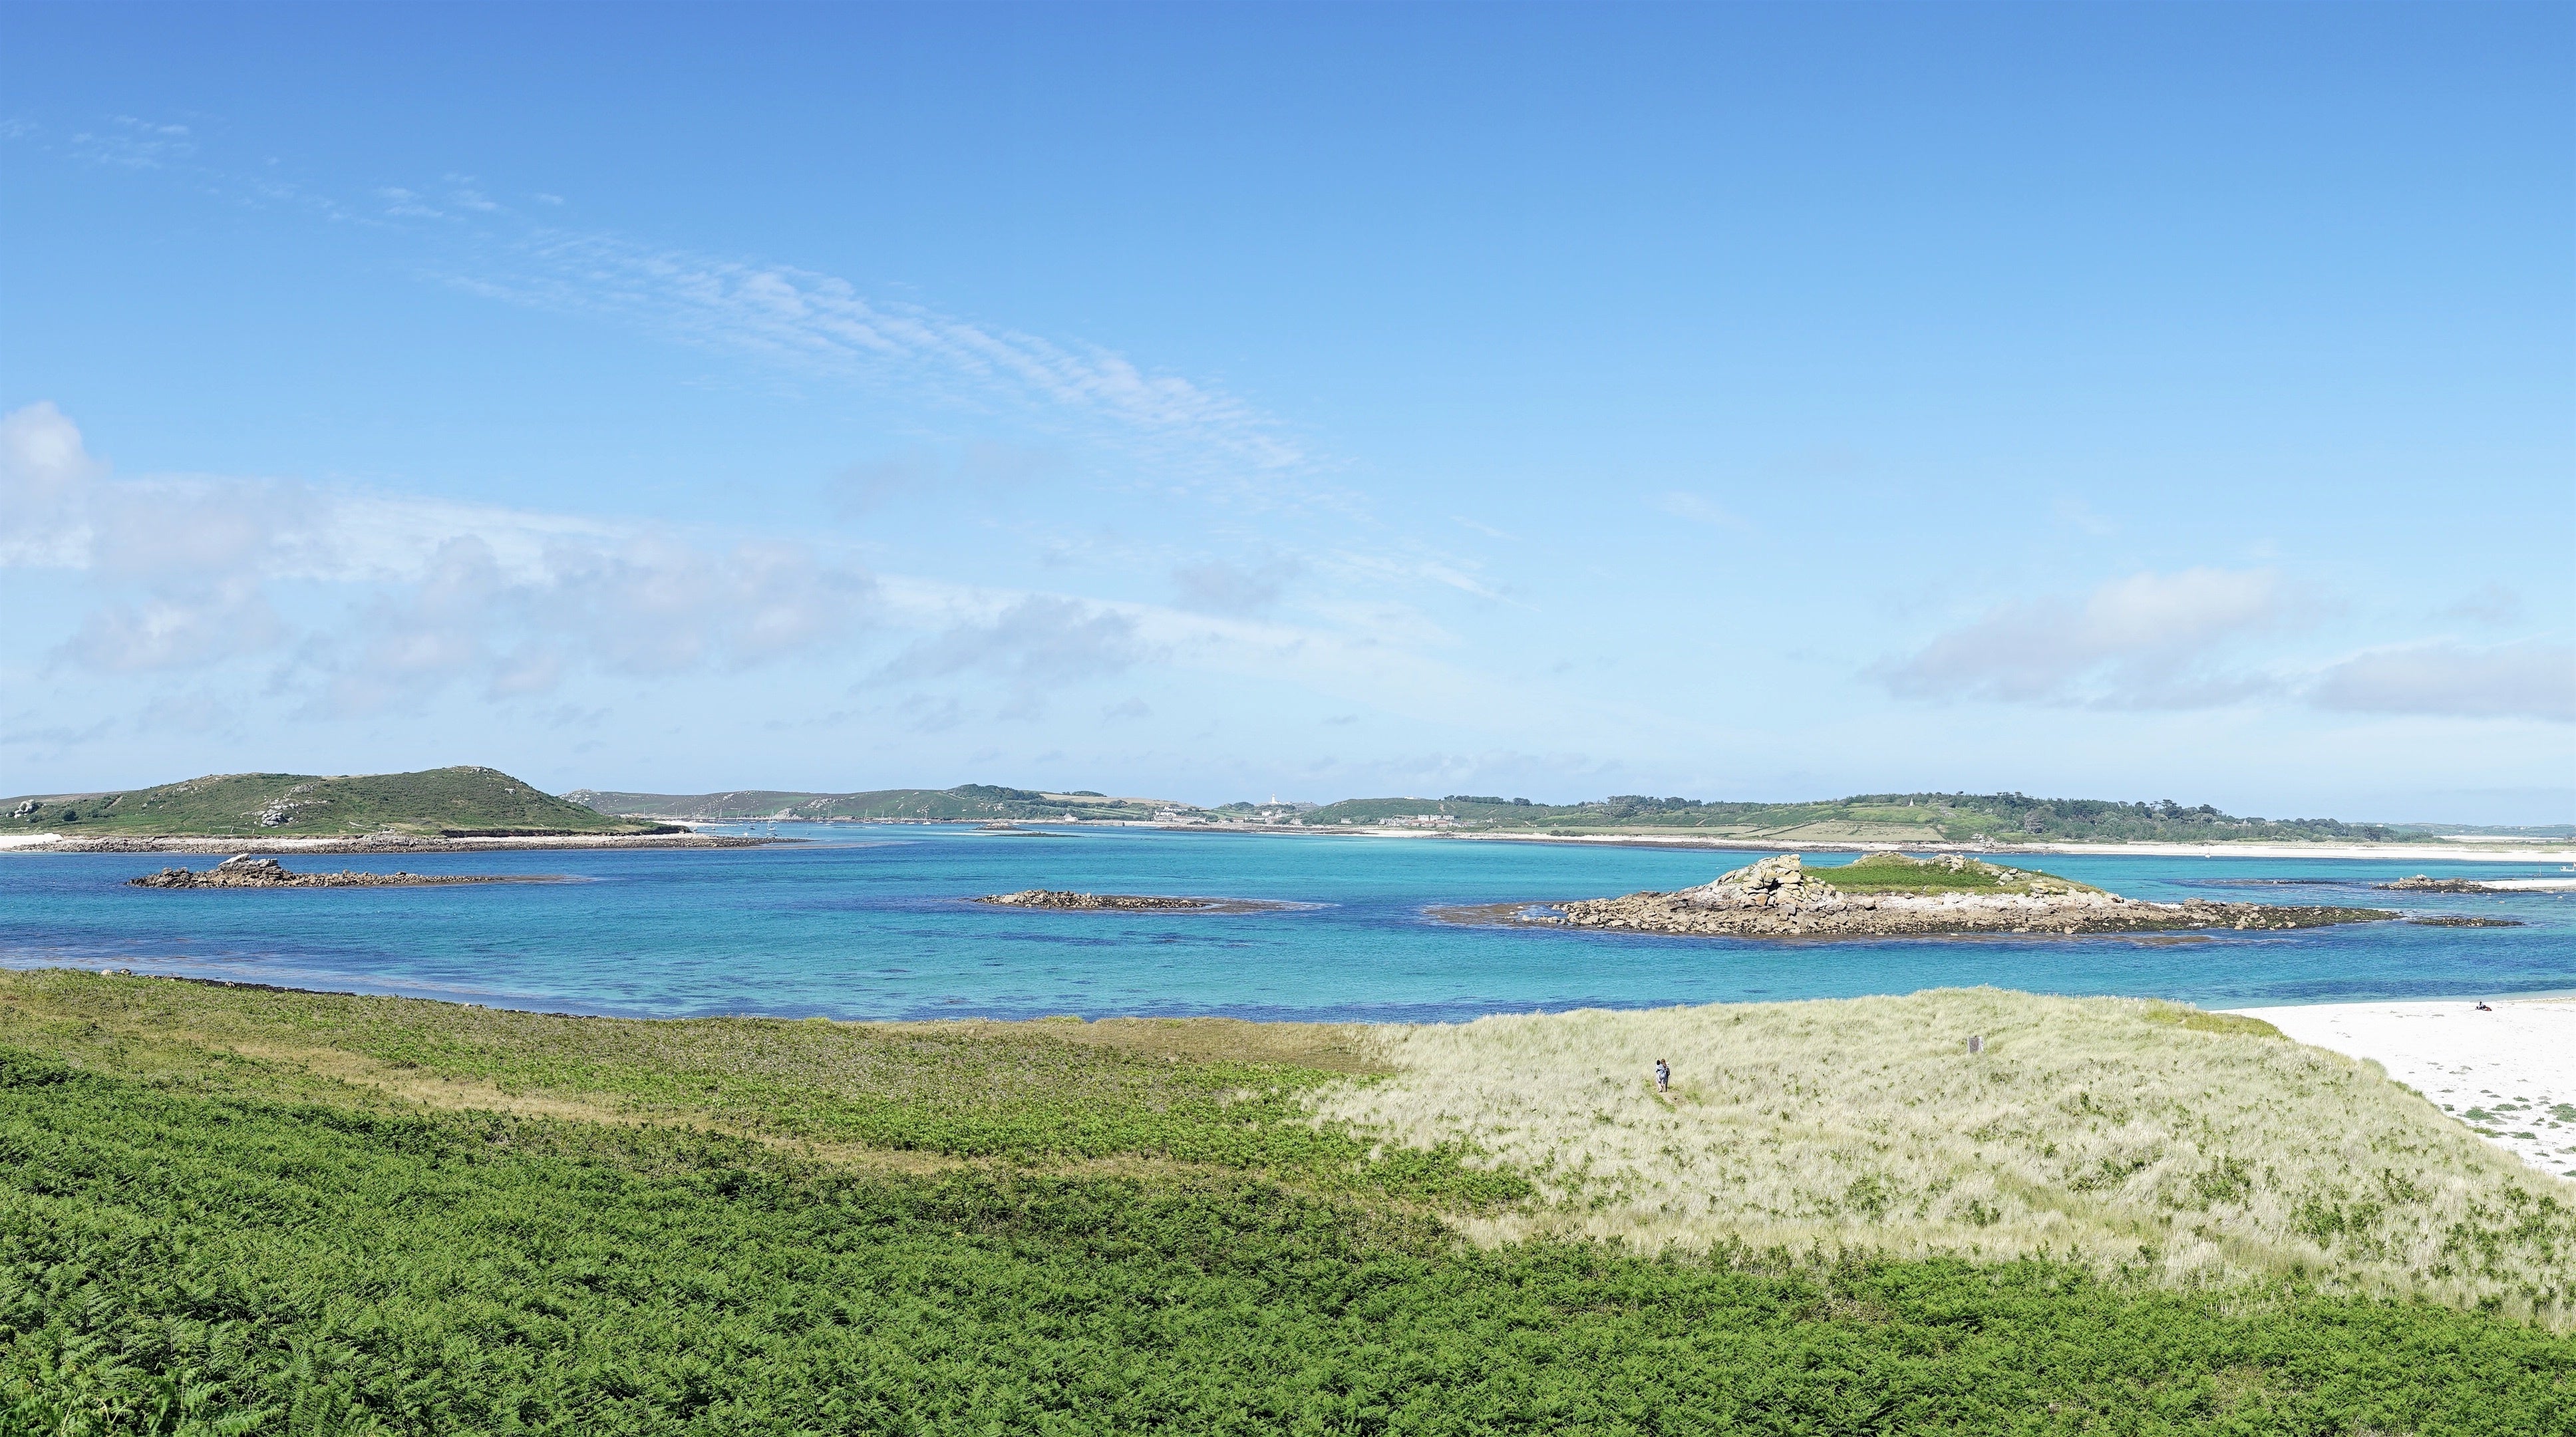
x,y
244,871
1780,898
2422,884
1131,902
2463,920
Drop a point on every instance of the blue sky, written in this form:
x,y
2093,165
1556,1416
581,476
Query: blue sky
x,y
1208,402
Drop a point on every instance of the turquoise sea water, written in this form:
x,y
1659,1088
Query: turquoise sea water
x,y
872,923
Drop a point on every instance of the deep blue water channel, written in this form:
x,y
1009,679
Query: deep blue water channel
x,y
872,923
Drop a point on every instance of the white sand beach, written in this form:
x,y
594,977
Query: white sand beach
x,y
2509,1074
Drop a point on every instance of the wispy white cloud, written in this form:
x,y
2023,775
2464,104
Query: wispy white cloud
x,y
512,603
2490,603
648,606
181,570
45,478
807,321
2146,641
1038,643
1220,587
1698,509
1418,569
135,144
400,203
982,470
2527,680
821,323
182,563
2075,514
463,193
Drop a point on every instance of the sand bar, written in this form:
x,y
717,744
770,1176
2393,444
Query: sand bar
x,y
2509,1074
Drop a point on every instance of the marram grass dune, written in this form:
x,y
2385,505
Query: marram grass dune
x,y
2115,1132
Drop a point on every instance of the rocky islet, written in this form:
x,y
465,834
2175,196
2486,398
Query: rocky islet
x,y
244,870
1065,899
1779,898
2422,883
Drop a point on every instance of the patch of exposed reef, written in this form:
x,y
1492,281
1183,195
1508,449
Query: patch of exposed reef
x,y
2422,884
2462,920
1892,895
244,871
1126,902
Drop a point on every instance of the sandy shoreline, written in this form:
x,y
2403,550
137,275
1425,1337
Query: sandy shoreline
x,y
2551,851
2395,852
2510,1074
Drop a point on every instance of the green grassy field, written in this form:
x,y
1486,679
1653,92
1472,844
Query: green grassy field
x,y
1898,873
289,805
234,1210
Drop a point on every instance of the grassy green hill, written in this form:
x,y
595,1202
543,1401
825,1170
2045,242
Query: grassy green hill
x,y
966,802
287,805
226,1210
1878,817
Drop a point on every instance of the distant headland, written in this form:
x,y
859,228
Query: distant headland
x,y
434,810
470,808
1954,821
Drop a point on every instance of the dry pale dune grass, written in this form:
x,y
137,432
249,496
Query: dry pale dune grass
x,y
2115,1132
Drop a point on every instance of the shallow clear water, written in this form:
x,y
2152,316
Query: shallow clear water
x,y
872,923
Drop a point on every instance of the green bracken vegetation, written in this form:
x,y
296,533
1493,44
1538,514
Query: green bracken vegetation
x,y
228,1210
292,805
1017,1093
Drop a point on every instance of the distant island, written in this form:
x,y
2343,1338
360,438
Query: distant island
x,y
1889,894
977,802
464,807
1942,819
439,808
